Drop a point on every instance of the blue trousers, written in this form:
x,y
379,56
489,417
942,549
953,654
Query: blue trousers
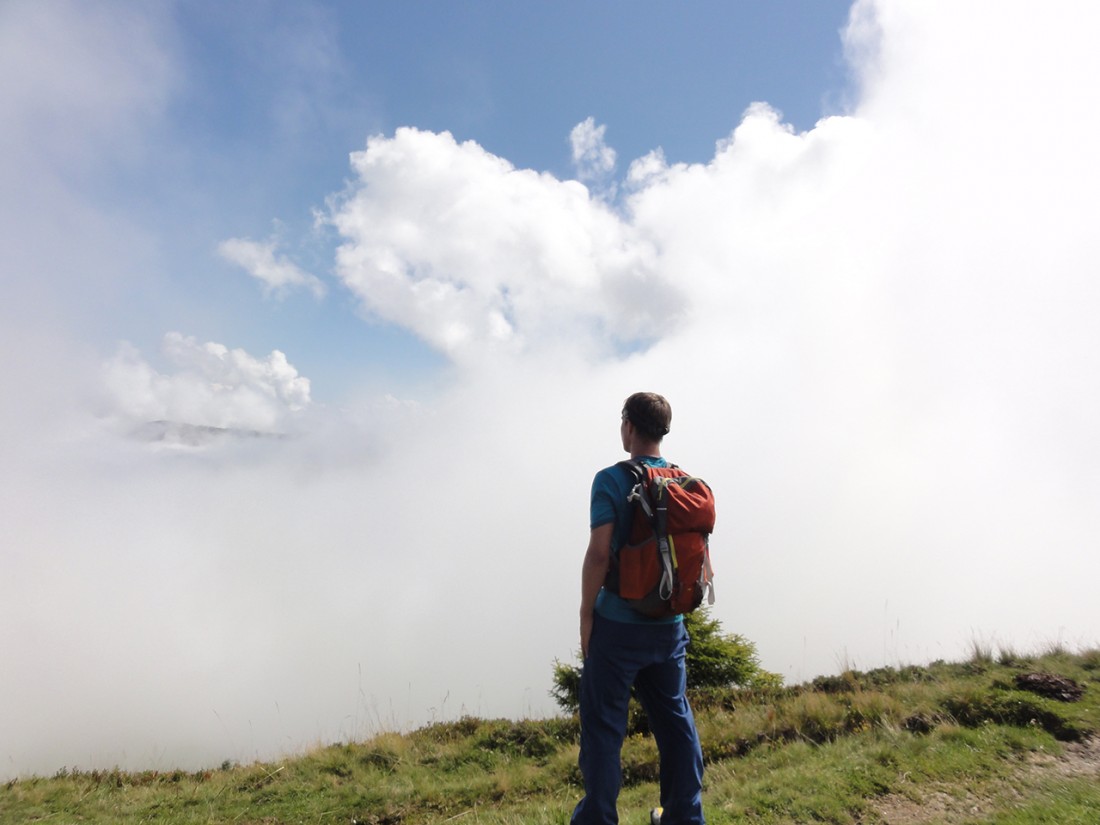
x,y
651,658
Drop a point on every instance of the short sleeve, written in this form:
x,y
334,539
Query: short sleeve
x,y
602,508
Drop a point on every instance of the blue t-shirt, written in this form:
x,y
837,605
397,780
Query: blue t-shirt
x,y
610,488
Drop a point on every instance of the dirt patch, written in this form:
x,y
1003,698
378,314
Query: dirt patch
x,y
1076,759
933,806
947,805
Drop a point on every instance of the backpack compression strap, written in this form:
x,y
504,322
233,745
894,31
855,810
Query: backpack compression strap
x,y
664,543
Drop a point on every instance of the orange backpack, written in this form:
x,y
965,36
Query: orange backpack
x,y
664,568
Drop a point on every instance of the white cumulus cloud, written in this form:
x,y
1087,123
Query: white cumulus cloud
x,y
211,386
593,158
277,273
882,329
476,256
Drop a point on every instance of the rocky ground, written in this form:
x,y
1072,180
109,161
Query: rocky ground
x,y
945,807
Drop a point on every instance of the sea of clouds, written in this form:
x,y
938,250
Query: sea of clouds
x,y
878,336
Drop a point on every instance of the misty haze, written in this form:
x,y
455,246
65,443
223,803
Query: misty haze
x,y
288,464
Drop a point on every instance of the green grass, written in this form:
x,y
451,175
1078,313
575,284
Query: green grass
x,y
953,743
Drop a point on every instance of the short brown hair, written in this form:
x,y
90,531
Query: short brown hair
x,y
650,413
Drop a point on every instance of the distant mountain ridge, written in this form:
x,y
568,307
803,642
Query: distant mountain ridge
x,y
194,435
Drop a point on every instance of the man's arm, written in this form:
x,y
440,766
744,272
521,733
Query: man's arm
x,y
596,561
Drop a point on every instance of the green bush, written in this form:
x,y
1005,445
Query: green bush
x,y
721,660
714,660
567,686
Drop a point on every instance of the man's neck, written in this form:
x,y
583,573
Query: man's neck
x,y
649,449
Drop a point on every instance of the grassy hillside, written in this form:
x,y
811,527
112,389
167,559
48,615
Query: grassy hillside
x,y
1005,741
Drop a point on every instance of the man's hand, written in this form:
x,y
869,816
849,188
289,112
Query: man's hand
x,y
586,634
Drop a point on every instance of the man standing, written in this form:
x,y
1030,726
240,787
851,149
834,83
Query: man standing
x,y
623,648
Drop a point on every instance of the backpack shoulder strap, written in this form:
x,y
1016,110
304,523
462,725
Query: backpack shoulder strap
x,y
639,488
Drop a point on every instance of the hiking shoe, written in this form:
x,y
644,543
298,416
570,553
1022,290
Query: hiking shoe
x,y
655,816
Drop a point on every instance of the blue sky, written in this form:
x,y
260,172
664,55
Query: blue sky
x,y
316,320
265,103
